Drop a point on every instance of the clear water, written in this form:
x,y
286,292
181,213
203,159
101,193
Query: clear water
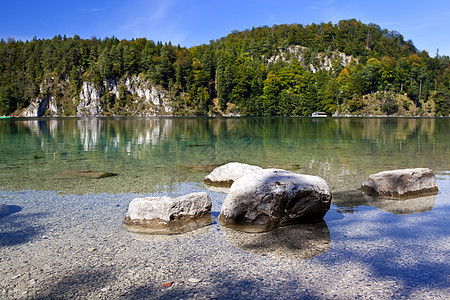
x,y
150,153
407,239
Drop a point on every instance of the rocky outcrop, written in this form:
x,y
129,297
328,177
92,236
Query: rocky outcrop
x,y
401,183
166,215
147,98
41,106
225,175
89,103
312,62
269,198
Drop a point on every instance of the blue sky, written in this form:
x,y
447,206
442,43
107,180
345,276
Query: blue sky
x,y
194,22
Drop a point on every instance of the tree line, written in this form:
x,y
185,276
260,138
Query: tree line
x,y
250,72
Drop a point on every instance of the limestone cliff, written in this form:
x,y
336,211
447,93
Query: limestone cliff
x,y
137,97
311,61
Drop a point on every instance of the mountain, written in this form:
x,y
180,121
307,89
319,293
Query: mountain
x,y
285,70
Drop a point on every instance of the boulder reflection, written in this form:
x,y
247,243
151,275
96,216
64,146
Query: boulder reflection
x,y
295,242
402,206
146,237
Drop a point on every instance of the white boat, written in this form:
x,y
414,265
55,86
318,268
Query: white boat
x,y
319,114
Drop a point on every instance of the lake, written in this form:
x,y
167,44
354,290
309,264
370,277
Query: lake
x,y
400,247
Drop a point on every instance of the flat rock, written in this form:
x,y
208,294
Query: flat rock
x,y
85,174
401,183
166,215
269,198
194,280
225,175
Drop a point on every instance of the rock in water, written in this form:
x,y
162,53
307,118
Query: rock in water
x,y
401,183
225,175
166,215
268,198
85,174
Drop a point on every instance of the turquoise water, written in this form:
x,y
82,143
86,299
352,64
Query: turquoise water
x,y
150,153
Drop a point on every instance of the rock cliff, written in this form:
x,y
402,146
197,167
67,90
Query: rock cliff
x,y
311,61
143,99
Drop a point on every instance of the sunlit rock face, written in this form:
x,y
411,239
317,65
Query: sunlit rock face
x,y
166,215
225,175
402,206
39,106
265,199
294,242
401,183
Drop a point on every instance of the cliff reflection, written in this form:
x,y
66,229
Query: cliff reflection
x,y
341,150
295,242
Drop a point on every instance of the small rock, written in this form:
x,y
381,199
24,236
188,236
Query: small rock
x,y
194,280
85,174
104,289
225,175
166,215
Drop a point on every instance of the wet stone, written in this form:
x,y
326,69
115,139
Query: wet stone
x,y
166,215
73,174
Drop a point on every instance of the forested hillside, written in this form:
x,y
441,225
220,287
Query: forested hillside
x,y
284,70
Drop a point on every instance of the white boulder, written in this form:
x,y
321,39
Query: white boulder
x,y
269,198
166,215
225,175
401,183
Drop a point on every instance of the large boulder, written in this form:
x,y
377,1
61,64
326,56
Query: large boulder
x,y
269,198
166,215
401,183
225,175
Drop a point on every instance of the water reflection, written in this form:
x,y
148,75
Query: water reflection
x,y
344,151
349,201
402,206
145,237
295,242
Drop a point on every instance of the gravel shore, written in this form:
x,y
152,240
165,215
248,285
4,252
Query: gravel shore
x,y
54,245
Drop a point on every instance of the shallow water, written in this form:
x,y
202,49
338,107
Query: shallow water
x,y
403,244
